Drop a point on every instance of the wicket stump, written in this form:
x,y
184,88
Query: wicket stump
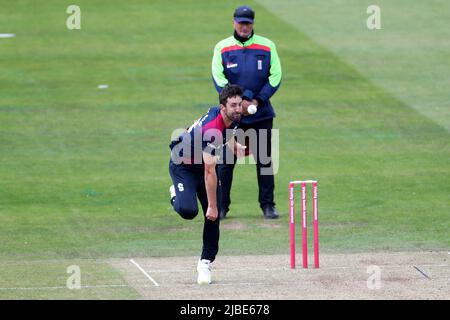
x,y
315,210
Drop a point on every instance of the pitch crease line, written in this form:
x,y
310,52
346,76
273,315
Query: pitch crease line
x,y
145,273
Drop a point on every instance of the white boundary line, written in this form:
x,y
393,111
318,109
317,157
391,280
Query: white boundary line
x,y
216,284
64,287
145,273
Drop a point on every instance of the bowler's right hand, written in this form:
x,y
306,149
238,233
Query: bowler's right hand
x,y
212,213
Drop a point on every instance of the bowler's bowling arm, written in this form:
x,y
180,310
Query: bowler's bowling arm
x,y
211,185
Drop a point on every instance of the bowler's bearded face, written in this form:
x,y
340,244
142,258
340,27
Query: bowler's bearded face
x,y
233,109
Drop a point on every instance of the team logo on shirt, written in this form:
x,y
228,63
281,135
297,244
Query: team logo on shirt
x,y
231,65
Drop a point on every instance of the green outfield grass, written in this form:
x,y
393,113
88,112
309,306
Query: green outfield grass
x,y
84,171
43,279
408,57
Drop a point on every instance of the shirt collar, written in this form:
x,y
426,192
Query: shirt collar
x,y
244,41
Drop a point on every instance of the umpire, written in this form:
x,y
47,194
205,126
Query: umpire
x,y
252,62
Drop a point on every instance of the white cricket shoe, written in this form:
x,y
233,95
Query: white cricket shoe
x,y
204,271
172,192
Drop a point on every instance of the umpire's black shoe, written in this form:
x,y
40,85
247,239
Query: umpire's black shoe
x,y
270,212
222,213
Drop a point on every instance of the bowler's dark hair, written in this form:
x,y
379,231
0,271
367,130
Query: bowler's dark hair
x,y
229,91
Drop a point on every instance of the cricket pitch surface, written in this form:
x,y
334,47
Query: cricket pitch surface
x,y
393,275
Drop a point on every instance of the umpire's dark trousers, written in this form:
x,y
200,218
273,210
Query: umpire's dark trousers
x,y
266,182
189,182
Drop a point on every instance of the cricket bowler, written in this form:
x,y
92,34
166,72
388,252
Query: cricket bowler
x,y
192,167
